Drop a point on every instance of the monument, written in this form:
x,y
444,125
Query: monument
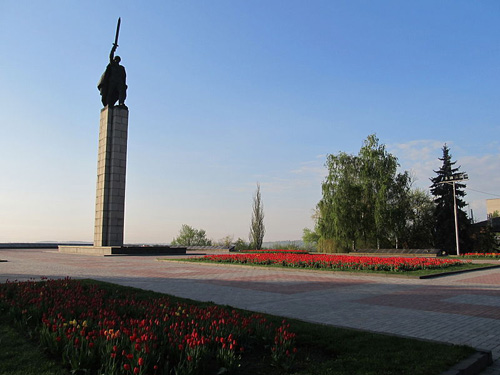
x,y
113,82
111,171
111,168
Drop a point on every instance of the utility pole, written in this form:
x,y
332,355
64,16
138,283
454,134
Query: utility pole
x,y
453,179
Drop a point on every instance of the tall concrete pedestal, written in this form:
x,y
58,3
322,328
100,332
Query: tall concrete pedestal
x,y
111,171
110,192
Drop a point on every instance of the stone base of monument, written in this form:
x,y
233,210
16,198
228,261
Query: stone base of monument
x,y
122,250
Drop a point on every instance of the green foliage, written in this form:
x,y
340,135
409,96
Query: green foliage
x,y
494,214
483,240
257,228
225,242
329,246
189,236
19,356
420,222
241,245
364,199
444,217
339,219
310,239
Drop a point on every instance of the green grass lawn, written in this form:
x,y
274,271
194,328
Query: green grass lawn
x,y
20,356
321,350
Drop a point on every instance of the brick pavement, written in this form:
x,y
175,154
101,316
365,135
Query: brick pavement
x,y
459,309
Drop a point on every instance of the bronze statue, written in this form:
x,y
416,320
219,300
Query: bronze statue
x,y
113,82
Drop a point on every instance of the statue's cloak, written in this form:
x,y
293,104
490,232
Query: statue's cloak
x,y
103,83
112,84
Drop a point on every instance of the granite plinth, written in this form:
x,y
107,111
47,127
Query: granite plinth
x,y
122,250
111,176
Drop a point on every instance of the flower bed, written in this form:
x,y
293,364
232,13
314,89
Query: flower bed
x,y
97,331
335,262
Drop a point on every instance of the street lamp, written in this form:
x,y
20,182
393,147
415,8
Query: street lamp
x,y
454,178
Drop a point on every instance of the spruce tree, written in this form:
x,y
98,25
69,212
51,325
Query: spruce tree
x,y
444,216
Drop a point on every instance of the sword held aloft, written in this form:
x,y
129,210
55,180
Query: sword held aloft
x,y
117,32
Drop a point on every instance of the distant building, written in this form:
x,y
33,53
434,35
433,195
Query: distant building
x,y
492,205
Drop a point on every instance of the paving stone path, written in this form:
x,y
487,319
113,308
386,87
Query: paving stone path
x,y
458,309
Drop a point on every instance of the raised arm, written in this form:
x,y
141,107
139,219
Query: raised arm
x,y
112,53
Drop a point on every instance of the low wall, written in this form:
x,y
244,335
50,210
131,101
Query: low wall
x,y
401,252
38,245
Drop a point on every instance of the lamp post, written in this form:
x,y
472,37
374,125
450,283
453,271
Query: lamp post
x,y
454,178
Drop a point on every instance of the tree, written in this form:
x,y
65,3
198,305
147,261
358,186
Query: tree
x,y
226,241
494,214
444,217
364,198
189,236
310,238
483,239
379,186
257,228
397,210
241,245
339,218
421,220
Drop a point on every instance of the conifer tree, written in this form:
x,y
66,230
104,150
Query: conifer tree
x,y
444,216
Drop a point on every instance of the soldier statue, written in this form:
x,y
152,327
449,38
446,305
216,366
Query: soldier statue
x,y
113,82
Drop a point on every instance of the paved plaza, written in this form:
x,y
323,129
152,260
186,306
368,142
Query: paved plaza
x,y
458,309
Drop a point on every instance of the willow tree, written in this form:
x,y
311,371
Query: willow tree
x,y
339,219
363,197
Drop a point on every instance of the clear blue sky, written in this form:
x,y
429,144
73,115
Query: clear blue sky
x,y
224,94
